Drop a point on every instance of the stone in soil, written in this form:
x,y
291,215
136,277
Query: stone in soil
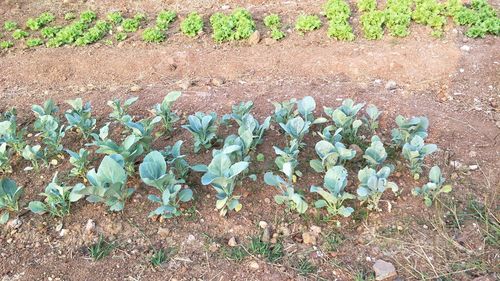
x,y
391,85
254,38
309,238
384,270
232,242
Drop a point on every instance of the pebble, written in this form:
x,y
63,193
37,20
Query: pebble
x,y
384,270
163,232
190,238
267,200
473,167
262,224
232,242
217,82
465,48
254,39
184,84
15,223
253,265
391,85
284,231
266,234
316,229
309,238
135,88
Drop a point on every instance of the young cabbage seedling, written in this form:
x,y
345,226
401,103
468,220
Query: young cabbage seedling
x,y
333,193
293,200
58,199
375,155
5,154
408,129
433,188
143,130
238,112
119,112
415,152
177,161
164,110
80,161
373,184
306,107
345,117
9,198
10,134
284,111
33,154
203,127
371,118
153,172
290,155
223,175
80,117
109,184
330,155
296,129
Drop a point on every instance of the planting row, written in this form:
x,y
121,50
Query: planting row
x,y
396,16
350,141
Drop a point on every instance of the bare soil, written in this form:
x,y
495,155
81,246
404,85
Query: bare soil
x,y
458,90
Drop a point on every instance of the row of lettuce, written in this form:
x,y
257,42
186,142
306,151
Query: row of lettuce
x,y
349,141
396,16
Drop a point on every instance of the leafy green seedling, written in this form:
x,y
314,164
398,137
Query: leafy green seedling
x,y
6,45
338,12
119,112
192,25
177,162
9,198
19,34
288,196
80,117
164,19
58,199
296,128
223,175
375,155
345,117
408,129
115,17
10,25
143,130
153,172
203,127
164,110
33,154
5,154
373,184
10,134
41,21
153,35
273,22
333,193
80,162
101,249
371,118
70,16
330,155
94,34
284,111
433,188
306,23
414,152
236,26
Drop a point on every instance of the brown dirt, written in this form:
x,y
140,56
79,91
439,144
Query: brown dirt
x,y
457,90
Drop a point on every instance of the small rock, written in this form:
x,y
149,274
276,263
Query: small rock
x,y
254,39
163,232
269,41
225,7
384,270
266,234
89,227
473,167
190,238
309,238
53,162
63,232
135,88
262,224
14,223
284,231
217,82
253,265
465,48
316,229
391,85
232,242
214,247
472,154
267,200
184,84
456,164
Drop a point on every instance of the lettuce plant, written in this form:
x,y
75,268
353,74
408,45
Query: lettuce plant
x,y
371,118
372,24
109,184
338,12
433,188
203,127
223,175
414,152
120,110
430,13
4,45
10,25
333,193
58,199
129,150
165,18
288,196
153,172
192,25
409,128
80,117
80,162
375,154
50,31
398,17
33,42
237,26
9,198
19,34
164,110
373,184
115,17
330,155
273,22
153,35
94,34
306,23
33,154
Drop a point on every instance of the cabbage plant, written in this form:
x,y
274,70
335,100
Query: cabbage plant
x,y
33,154
284,111
290,155
153,172
296,128
176,160
238,111
371,118
288,196
58,199
10,134
306,107
250,128
415,152
143,130
165,112
373,184
80,160
52,133
203,127
333,192
409,128
327,135
120,110
223,175
375,154
80,117
108,184
47,108
330,155
9,198
345,117
5,154
433,188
